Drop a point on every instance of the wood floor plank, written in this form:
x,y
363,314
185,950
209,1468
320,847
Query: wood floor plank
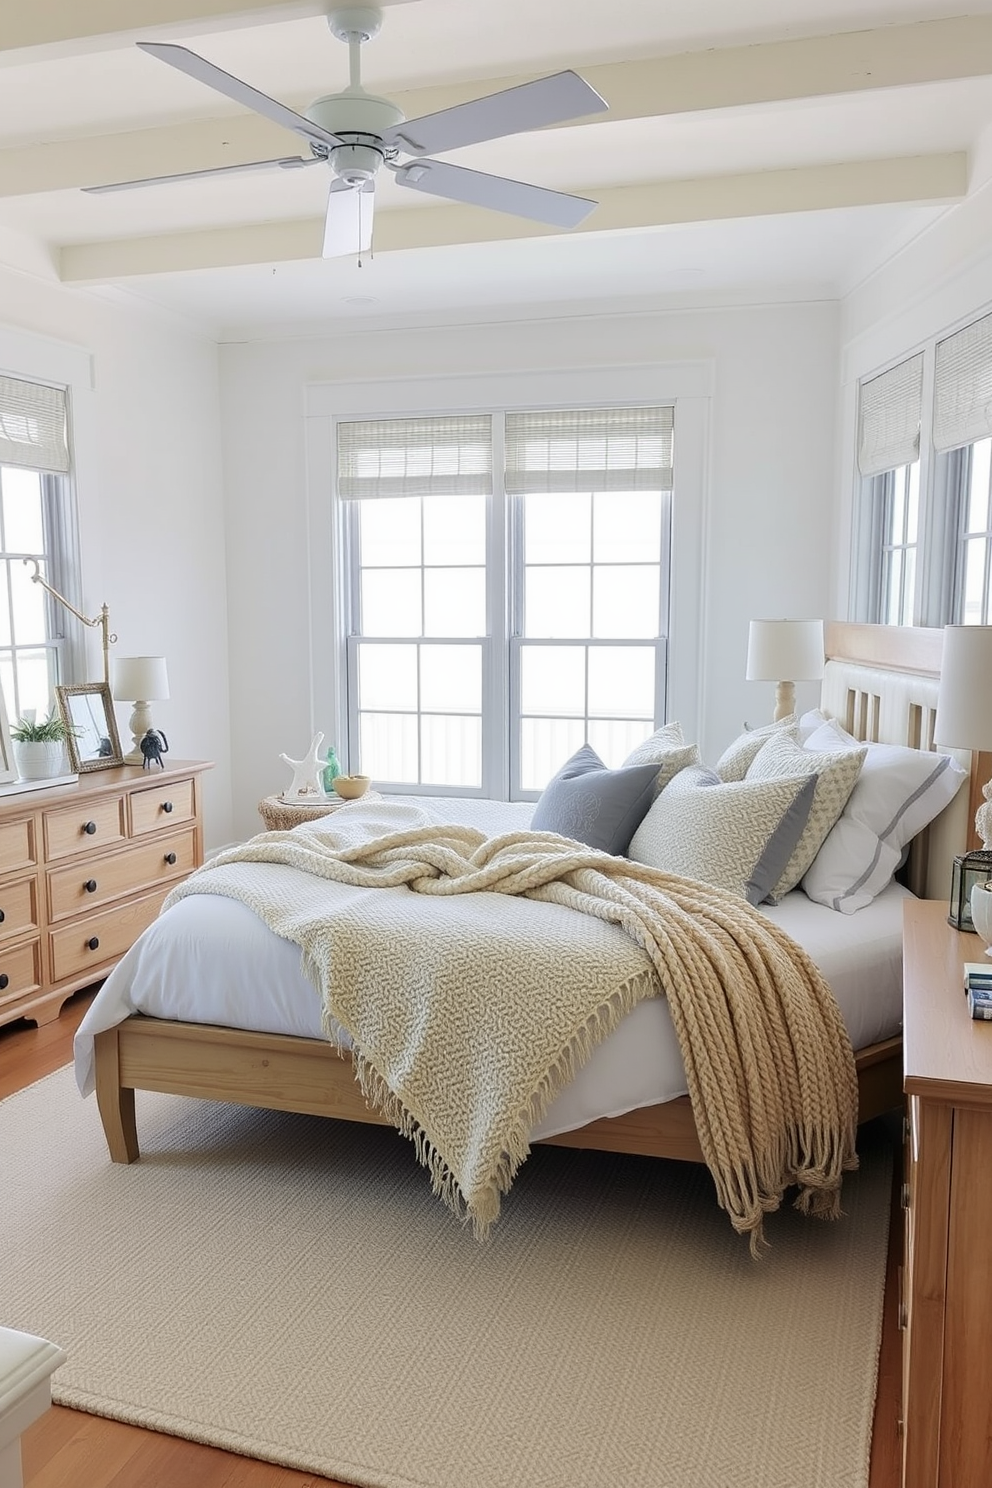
x,y
66,1449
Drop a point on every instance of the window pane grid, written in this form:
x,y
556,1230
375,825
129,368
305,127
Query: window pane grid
x,y
582,642
31,625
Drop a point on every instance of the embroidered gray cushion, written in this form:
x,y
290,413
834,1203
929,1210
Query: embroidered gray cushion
x,y
737,835
835,772
591,804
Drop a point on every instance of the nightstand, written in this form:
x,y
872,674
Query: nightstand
x,y
946,1282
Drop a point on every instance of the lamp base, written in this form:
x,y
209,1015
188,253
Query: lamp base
x,y
785,701
139,723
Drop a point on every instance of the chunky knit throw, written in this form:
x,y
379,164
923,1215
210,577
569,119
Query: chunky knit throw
x,y
465,1022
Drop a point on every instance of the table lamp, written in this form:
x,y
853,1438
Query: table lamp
x,y
964,721
139,680
785,652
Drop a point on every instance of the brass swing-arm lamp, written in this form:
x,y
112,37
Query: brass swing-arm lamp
x,y
103,619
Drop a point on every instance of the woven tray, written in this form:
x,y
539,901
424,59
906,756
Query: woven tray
x,y
280,816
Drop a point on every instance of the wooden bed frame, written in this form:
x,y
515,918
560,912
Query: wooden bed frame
x,y
880,682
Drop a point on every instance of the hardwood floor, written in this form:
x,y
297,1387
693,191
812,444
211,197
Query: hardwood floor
x,y
67,1449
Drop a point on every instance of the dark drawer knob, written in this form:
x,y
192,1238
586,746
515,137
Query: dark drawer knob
x,y
89,828
4,981
90,886
94,943
2,916
167,807
170,858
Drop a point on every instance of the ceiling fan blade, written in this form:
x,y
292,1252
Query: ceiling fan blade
x,y
232,87
548,100
348,223
288,162
498,192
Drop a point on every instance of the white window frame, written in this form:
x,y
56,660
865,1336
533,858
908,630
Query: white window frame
x,y
687,385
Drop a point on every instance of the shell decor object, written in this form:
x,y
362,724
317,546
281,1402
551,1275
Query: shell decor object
x,y
350,787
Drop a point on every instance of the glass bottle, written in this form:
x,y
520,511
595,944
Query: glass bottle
x,y
331,770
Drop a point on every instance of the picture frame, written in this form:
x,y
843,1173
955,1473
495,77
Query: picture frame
x,y
92,740
8,770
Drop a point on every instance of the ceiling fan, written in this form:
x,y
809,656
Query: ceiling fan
x,y
356,133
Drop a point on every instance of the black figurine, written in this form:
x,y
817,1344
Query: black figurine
x,y
153,746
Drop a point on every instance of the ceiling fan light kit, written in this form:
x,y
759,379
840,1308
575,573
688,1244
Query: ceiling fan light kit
x,y
356,134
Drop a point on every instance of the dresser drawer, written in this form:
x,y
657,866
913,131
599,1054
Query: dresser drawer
x,y
85,828
20,971
86,945
165,806
18,907
17,845
84,886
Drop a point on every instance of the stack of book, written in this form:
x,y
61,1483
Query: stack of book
x,y
978,985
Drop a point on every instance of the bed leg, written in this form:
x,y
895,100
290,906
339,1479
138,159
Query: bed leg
x,y
115,1101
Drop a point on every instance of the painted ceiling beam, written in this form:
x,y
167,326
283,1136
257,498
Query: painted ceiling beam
x,y
918,179
36,30
689,82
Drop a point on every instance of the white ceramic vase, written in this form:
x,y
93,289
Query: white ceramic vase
x,y
39,759
981,911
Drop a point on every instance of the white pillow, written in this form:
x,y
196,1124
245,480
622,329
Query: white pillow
x,y
898,792
735,759
737,835
835,770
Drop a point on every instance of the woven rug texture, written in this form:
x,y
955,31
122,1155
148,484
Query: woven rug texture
x,y
287,1287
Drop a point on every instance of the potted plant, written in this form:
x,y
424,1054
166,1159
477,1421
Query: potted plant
x,y
39,748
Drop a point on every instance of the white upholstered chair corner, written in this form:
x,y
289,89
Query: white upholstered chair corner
x,y
26,1368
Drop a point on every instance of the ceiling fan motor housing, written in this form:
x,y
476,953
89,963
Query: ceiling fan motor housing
x,y
359,119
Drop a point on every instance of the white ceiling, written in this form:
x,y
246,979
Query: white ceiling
x,y
753,149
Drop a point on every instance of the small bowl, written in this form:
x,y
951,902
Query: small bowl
x,y
350,787
981,912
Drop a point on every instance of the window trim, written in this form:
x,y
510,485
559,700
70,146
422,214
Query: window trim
x,y
686,384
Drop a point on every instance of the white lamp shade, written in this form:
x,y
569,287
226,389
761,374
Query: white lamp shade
x,y
785,651
964,699
140,678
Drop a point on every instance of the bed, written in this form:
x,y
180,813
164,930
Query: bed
x,y
148,1028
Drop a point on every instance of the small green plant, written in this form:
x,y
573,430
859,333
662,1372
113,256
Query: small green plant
x,y
51,730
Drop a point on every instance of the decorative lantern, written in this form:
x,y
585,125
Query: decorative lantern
x,y
969,869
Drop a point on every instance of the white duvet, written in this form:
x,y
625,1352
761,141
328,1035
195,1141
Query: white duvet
x,y
211,960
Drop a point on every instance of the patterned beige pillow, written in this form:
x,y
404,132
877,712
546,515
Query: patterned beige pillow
x,y
666,748
737,835
836,772
735,759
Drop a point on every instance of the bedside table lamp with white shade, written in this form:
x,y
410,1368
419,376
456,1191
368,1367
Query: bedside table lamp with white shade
x,y
964,721
139,680
785,652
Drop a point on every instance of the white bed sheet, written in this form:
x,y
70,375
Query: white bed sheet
x,y
209,959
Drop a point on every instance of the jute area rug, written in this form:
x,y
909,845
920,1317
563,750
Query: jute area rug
x,y
288,1288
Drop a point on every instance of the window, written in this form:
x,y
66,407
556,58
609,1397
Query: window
x,y
33,525
502,611
889,416
923,535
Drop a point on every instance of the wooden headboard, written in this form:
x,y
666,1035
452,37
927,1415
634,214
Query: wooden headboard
x,y
880,683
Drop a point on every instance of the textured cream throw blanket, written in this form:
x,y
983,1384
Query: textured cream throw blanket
x,y
466,1022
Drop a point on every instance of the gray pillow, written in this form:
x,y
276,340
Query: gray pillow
x,y
591,804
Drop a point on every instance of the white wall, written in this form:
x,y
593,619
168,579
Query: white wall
x,y
145,416
765,499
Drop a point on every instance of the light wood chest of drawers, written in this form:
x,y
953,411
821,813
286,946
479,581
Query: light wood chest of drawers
x,y
946,1298
84,868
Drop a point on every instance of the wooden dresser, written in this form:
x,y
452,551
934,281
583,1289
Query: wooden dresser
x,y
84,868
946,1286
